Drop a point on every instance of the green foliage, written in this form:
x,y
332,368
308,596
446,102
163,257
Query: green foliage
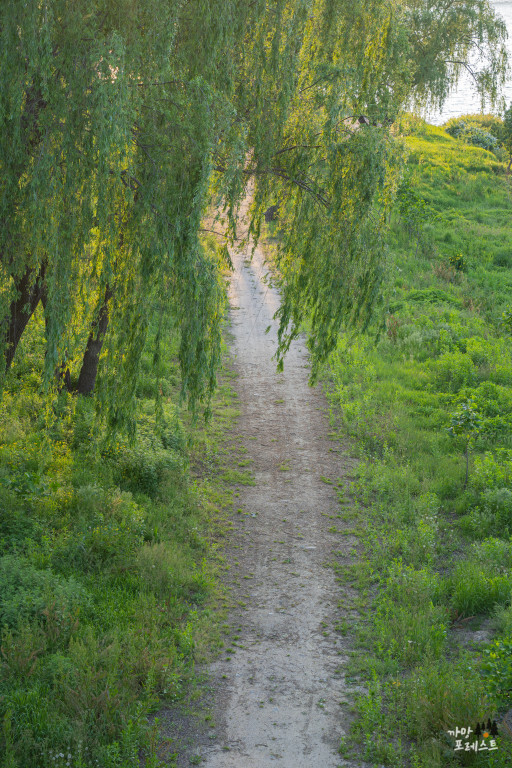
x,y
452,28
166,571
493,470
113,150
405,634
489,123
452,371
27,593
106,538
476,587
121,126
507,130
103,591
436,560
458,261
414,212
497,503
437,692
470,133
497,668
374,732
506,321
465,423
144,467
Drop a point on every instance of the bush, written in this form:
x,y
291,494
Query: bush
x,y
503,258
453,370
458,262
478,138
17,529
494,553
142,468
489,123
471,133
490,515
407,634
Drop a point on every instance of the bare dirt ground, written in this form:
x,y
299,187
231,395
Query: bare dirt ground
x,y
277,695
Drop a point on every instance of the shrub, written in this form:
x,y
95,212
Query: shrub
x,y
453,370
142,469
503,258
458,262
494,553
470,133
478,138
408,623
32,721
17,528
445,271
489,123
465,424
89,501
491,515
492,401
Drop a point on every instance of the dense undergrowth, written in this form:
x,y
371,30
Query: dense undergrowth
x,y
106,578
433,392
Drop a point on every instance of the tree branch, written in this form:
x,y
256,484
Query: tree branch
x,y
463,63
282,174
296,146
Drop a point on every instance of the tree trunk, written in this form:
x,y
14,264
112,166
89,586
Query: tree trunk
x,y
29,290
22,309
89,370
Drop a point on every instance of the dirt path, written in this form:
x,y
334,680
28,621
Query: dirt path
x,y
278,696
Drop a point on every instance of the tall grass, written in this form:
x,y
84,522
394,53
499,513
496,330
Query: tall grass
x,y
437,555
105,578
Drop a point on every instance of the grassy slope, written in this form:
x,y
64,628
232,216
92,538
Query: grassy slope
x,y
437,558
107,573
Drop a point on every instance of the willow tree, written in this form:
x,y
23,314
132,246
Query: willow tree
x,y
122,123
109,120
336,76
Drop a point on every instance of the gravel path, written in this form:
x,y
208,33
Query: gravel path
x,y
277,700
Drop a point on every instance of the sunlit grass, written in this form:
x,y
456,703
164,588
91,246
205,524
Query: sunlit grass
x,y
441,343
106,579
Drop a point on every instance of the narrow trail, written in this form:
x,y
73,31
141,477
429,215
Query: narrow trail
x,y
278,697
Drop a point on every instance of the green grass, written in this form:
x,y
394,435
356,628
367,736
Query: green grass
x,y
107,573
436,556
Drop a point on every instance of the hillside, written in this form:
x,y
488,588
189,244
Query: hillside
x,y
426,400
